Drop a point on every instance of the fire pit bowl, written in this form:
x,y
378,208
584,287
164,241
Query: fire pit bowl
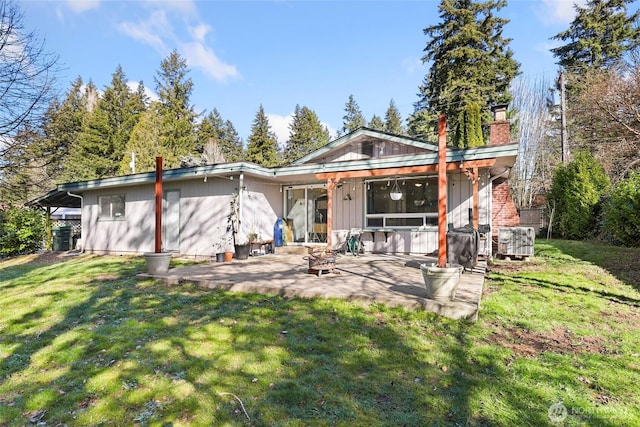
x,y
319,262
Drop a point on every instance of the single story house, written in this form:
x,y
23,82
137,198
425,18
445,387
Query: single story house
x,y
381,184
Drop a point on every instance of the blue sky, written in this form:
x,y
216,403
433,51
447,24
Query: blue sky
x,y
242,54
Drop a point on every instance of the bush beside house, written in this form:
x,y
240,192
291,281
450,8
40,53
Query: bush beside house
x,y
622,212
21,230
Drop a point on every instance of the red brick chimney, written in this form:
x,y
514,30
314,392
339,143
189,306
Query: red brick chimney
x,y
499,130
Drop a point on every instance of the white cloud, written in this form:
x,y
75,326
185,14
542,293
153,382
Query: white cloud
x,y
79,6
158,32
187,7
133,86
411,64
558,11
280,126
199,55
199,32
152,31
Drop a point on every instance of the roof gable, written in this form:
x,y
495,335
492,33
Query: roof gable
x,y
365,144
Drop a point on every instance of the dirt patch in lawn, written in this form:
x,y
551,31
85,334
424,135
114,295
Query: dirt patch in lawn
x,y
530,344
50,257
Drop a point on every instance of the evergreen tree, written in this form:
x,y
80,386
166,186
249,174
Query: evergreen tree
x,y
263,146
214,128
61,129
353,119
576,193
306,134
106,130
90,156
470,62
178,116
599,35
23,176
468,132
376,123
393,120
145,142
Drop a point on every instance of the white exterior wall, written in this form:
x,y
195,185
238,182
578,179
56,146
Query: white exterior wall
x,y
204,207
133,233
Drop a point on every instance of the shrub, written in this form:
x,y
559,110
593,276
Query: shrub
x,y
622,211
21,230
577,190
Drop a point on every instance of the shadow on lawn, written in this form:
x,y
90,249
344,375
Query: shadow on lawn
x,y
138,352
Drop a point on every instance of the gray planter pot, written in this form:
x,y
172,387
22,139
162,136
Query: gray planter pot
x,y
441,282
157,263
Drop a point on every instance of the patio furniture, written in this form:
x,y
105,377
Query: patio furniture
x,y
354,241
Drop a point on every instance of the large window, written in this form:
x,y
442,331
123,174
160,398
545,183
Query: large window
x,y
111,207
418,206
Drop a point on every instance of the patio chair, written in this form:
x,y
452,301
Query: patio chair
x,y
354,241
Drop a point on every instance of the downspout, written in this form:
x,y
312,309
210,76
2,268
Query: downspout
x,y
81,209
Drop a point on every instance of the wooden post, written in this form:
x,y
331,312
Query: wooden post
x,y
158,205
442,191
474,183
330,186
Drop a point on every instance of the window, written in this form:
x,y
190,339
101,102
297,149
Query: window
x,y
418,206
111,207
367,149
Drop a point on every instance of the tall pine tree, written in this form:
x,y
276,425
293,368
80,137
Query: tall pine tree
x,y
263,145
145,142
393,120
106,130
470,62
600,35
214,128
61,130
376,123
174,89
306,134
353,118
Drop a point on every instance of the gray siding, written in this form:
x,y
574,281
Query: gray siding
x,y
380,149
204,207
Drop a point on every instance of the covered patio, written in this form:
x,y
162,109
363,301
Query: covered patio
x,y
394,280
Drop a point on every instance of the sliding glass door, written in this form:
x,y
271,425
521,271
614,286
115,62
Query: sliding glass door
x,y
306,214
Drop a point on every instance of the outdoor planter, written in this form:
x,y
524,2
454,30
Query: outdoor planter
x,y
157,262
228,256
441,282
220,257
242,251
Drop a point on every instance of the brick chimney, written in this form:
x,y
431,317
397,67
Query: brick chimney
x,y
499,130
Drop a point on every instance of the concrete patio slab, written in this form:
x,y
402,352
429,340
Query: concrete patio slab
x,y
394,280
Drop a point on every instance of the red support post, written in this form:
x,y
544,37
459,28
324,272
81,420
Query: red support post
x,y
442,191
158,205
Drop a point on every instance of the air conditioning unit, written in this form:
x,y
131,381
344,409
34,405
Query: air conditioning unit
x,y
516,241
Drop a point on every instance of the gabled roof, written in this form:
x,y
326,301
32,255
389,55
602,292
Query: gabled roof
x,y
363,134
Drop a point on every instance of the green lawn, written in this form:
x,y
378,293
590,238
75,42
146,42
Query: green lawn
x,y
82,342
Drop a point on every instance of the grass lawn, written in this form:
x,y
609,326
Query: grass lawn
x,y
82,342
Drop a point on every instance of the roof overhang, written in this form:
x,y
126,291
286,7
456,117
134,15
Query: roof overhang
x,y
56,199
